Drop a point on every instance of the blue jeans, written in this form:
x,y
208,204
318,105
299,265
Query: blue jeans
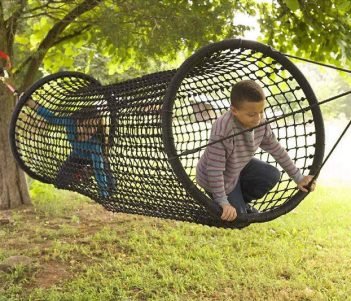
x,y
74,168
256,179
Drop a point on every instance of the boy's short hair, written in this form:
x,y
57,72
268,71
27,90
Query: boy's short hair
x,y
246,90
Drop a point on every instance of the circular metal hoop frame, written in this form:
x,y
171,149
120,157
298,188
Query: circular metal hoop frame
x,y
199,93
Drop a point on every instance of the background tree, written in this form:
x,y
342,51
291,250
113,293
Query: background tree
x,y
116,39
97,37
318,30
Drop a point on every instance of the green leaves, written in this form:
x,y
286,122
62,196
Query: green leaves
x,y
292,4
129,36
319,30
126,35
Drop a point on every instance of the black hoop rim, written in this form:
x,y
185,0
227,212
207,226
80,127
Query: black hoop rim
x,y
167,131
19,106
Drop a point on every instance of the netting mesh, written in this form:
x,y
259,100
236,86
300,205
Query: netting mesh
x,y
122,144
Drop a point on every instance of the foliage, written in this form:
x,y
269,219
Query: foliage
x,y
103,256
116,36
115,40
102,38
327,83
312,29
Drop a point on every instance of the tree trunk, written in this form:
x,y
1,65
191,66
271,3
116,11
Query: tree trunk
x,y
13,185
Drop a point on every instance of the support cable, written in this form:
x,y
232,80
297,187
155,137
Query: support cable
x,y
195,150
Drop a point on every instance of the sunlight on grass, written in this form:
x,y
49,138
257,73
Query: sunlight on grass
x,y
52,201
304,255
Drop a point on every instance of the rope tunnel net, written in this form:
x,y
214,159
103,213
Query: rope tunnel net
x,y
126,145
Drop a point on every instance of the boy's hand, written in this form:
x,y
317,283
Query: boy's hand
x,y
304,183
229,213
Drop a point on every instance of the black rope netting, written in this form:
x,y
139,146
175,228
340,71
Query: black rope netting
x,y
129,145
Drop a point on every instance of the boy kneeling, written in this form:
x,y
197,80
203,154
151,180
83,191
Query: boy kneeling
x,y
228,170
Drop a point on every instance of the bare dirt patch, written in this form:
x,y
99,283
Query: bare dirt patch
x,y
49,274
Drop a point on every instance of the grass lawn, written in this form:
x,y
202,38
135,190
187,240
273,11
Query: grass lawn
x,y
80,251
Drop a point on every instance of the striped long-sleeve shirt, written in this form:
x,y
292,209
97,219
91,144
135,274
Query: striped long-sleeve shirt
x,y
220,165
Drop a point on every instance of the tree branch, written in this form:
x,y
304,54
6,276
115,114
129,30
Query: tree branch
x,y
71,35
2,20
52,36
11,26
44,7
21,67
58,41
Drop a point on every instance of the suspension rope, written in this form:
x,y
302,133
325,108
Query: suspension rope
x,y
347,126
318,63
152,118
4,78
328,156
188,152
4,75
